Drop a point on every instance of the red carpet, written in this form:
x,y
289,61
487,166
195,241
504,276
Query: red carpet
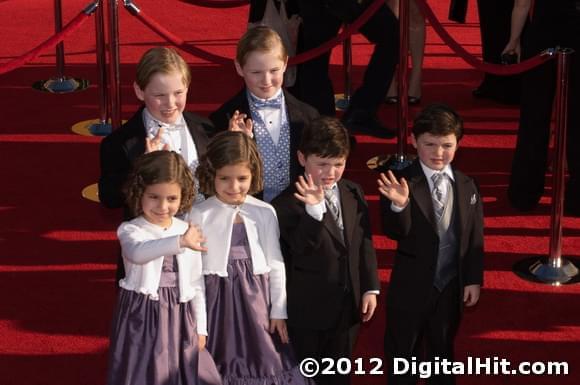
x,y
57,250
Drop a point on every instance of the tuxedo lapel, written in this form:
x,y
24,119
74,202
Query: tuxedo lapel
x,y
198,135
349,206
295,119
421,193
135,145
463,198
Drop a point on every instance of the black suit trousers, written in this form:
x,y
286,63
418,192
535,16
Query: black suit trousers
x,y
423,334
321,22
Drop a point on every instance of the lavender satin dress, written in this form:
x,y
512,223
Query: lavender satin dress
x,y
155,342
238,308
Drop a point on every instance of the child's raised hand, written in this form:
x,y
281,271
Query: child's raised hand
x,y
394,190
155,143
280,326
193,238
241,122
308,192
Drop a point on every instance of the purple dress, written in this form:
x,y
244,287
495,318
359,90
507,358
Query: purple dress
x,y
155,342
238,308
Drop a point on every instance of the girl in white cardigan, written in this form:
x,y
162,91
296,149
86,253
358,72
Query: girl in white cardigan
x,y
159,325
244,271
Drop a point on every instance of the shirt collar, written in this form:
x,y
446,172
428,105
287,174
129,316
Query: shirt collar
x,y
429,171
152,125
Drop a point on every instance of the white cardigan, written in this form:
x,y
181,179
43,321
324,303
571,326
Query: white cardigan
x,y
143,246
216,220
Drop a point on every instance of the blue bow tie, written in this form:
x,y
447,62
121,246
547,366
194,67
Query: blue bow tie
x,y
275,103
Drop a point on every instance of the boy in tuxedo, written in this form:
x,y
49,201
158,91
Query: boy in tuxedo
x,y
332,279
434,212
265,111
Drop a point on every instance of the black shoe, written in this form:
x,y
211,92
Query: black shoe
x,y
361,122
414,100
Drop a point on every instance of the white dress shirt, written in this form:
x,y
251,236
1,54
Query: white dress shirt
x,y
144,246
428,174
176,136
272,117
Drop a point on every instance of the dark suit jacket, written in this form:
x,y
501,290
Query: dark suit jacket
x,y
299,114
316,257
120,148
415,231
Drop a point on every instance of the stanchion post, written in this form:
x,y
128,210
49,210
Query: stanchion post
x,y
101,64
102,127
400,160
60,84
347,63
555,270
59,46
342,104
114,75
403,89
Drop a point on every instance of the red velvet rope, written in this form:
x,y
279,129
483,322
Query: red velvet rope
x,y
496,69
51,42
218,3
301,58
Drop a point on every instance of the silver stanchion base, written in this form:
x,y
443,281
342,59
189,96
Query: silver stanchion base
x,y
383,163
100,129
340,102
61,85
539,270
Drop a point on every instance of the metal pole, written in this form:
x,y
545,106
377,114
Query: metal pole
x,y
60,83
347,63
101,64
403,89
563,63
102,126
342,104
555,270
59,46
114,77
400,159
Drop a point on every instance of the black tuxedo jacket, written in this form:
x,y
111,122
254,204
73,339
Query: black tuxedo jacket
x,y
120,148
299,114
319,264
415,231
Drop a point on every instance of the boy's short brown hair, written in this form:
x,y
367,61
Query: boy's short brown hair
x,y
261,39
225,149
161,60
439,120
159,167
325,137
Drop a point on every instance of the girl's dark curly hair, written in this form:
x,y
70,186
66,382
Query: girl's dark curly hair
x,y
159,167
225,149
